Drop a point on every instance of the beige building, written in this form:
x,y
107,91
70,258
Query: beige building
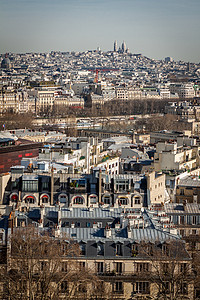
x,y
169,156
155,188
4,178
9,101
184,90
45,99
128,93
68,101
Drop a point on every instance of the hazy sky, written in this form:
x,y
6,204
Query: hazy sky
x,y
155,28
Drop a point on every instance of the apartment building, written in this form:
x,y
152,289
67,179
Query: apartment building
x,y
184,90
169,156
128,93
9,101
45,99
123,248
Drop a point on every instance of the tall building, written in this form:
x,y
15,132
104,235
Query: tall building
x,y
5,64
123,47
115,46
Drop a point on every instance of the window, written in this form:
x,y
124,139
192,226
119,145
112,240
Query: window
x,y
165,268
78,200
137,200
141,287
183,267
118,287
93,199
45,185
64,267
165,249
45,199
194,220
118,249
82,288
134,249
118,267
30,185
107,199
82,249
123,201
166,287
142,267
182,220
63,198
30,199
82,265
182,192
122,185
100,267
184,288
100,249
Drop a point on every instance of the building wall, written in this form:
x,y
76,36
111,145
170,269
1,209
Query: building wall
x,y
4,178
156,188
11,156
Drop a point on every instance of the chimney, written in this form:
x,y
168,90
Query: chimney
x,y
100,171
117,225
42,212
72,225
52,185
57,231
107,232
129,232
95,225
59,216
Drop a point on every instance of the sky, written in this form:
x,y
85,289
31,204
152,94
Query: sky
x,y
155,28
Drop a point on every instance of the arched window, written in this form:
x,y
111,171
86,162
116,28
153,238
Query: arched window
x,y
14,197
62,198
107,199
30,199
78,200
100,248
45,198
137,200
123,200
82,248
93,199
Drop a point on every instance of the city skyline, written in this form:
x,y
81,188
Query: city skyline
x,y
154,28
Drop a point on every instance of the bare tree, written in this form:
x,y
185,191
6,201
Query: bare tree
x,y
44,265
169,269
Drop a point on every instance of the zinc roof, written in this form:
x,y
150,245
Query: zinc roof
x,y
179,208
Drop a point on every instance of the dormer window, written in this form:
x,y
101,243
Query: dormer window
x,y
78,200
30,199
100,249
107,199
82,248
123,201
118,249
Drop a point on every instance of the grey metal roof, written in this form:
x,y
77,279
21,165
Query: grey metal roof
x,y
30,177
190,182
138,235
179,208
95,213
151,235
